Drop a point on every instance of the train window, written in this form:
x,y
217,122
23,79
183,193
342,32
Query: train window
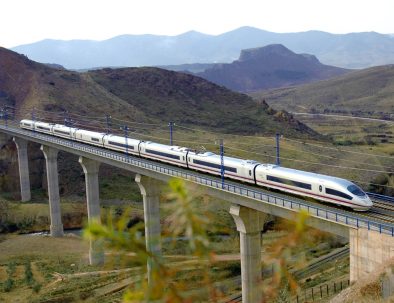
x,y
355,190
120,144
289,182
250,172
27,124
43,127
155,152
338,193
61,132
183,158
320,188
95,139
214,165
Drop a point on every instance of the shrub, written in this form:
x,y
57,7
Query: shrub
x,y
29,279
8,284
36,287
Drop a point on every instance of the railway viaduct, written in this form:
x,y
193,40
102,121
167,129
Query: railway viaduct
x,y
371,242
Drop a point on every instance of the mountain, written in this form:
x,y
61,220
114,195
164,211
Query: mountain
x,y
149,95
365,92
354,50
189,68
271,66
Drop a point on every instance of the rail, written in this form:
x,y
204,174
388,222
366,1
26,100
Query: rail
x,y
381,197
322,261
238,189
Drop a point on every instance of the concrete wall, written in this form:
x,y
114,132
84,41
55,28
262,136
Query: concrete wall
x,y
368,251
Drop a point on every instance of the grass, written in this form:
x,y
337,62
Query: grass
x,y
119,187
57,269
368,92
27,217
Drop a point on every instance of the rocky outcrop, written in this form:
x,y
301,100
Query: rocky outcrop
x,y
267,67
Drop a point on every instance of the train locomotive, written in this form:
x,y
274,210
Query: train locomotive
x,y
306,184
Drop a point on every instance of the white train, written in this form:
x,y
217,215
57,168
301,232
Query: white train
x,y
306,184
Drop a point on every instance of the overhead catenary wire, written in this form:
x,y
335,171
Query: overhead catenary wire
x,y
101,126
314,163
271,156
209,131
337,149
104,125
335,158
370,183
265,155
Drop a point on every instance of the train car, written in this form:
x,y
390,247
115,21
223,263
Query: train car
x,y
43,127
27,124
320,187
90,137
234,168
64,131
119,143
175,155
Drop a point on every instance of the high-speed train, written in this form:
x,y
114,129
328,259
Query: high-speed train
x,y
320,187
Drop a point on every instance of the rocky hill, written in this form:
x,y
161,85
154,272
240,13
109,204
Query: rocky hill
x,y
365,92
267,67
136,94
354,50
132,94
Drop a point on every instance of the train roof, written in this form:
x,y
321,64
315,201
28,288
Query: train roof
x,y
90,132
27,120
64,126
120,139
304,175
229,160
167,147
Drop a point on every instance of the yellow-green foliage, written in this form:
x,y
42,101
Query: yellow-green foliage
x,y
172,282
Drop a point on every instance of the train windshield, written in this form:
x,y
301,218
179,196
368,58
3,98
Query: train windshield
x,y
355,190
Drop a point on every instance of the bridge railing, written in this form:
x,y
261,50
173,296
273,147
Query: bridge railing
x,y
241,190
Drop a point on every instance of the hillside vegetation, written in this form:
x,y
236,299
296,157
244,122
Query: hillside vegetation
x,y
367,92
136,94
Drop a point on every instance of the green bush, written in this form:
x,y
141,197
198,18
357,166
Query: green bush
x,y
8,284
26,223
11,268
29,279
36,287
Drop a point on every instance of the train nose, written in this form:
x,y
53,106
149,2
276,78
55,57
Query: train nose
x,y
368,202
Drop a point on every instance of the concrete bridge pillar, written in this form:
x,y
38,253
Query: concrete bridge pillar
x,y
91,169
50,155
23,162
249,223
369,251
150,191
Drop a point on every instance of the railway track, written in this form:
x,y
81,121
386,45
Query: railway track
x,y
301,273
313,267
383,208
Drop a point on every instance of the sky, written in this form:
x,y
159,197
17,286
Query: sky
x,y
28,21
